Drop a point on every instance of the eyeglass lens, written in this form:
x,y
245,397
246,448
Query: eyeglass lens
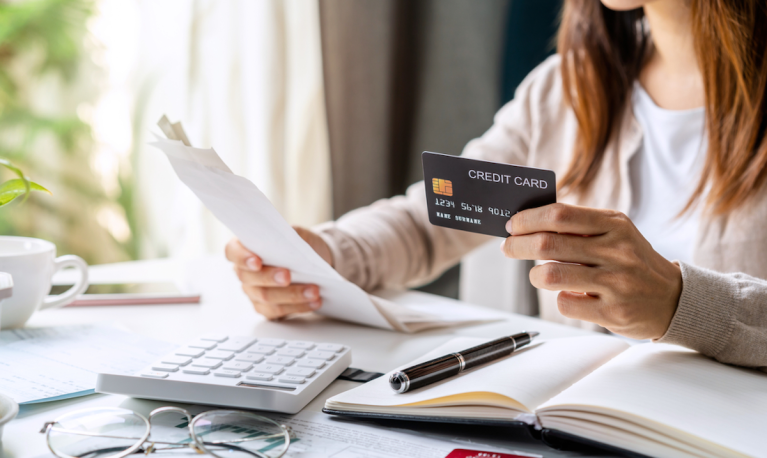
x,y
240,435
96,433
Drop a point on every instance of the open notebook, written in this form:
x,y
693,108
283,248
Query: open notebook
x,y
654,399
246,211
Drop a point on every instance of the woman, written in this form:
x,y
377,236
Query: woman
x,y
651,109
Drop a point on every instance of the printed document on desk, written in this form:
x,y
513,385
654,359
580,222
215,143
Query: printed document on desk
x,y
50,364
246,211
320,436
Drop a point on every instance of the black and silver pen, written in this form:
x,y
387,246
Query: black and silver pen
x,y
446,366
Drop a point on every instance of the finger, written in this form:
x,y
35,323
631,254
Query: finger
x,y
278,311
269,311
549,246
266,276
293,294
555,276
241,256
581,307
289,309
563,218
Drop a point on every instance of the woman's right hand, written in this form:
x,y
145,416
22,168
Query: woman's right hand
x,y
269,288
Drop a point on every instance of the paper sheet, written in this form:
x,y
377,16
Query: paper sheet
x,y
246,211
49,364
320,436
423,305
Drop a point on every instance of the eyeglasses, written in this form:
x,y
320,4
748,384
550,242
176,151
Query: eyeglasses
x,y
117,433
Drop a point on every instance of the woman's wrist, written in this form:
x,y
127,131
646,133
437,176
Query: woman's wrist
x,y
324,251
318,244
703,319
667,312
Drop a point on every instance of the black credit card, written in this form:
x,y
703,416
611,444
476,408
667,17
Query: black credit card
x,y
481,196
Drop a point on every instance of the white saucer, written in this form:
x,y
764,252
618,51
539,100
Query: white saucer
x,y
8,411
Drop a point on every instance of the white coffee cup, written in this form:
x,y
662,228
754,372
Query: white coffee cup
x,y
32,263
6,291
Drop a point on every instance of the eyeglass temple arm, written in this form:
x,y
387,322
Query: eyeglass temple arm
x,y
45,427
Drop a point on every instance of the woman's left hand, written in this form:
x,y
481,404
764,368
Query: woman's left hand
x,y
607,272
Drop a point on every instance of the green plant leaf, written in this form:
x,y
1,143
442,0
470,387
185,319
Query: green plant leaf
x,y
17,171
12,189
7,164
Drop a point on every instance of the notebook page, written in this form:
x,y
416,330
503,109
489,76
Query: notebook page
x,y
674,391
529,377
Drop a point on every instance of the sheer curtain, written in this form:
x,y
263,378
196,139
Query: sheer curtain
x,y
244,77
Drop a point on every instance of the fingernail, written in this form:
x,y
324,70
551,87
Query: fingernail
x,y
281,277
251,263
315,305
508,227
311,293
503,243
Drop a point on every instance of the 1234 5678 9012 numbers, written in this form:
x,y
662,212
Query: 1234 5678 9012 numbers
x,y
499,212
471,207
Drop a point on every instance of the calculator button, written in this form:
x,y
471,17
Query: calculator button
x,y
292,379
313,363
303,345
300,372
217,354
280,360
325,355
261,350
154,374
271,342
237,344
292,352
207,362
215,337
205,345
259,376
196,371
177,360
165,367
193,352
268,369
249,358
237,366
227,373
333,348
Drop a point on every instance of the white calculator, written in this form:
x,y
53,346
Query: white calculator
x,y
235,371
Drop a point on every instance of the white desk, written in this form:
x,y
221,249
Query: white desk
x,y
225,308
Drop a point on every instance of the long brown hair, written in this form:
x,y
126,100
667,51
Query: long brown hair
x,y
602,54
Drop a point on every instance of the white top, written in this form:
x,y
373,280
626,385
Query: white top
x,y
664,173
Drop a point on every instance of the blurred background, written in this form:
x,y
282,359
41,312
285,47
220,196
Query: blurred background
x,y
325,104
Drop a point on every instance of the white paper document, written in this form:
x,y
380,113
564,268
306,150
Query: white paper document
x,y
320,436
49,364
246,211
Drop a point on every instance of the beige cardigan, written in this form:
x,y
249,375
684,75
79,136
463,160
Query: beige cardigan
x,y
721,314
